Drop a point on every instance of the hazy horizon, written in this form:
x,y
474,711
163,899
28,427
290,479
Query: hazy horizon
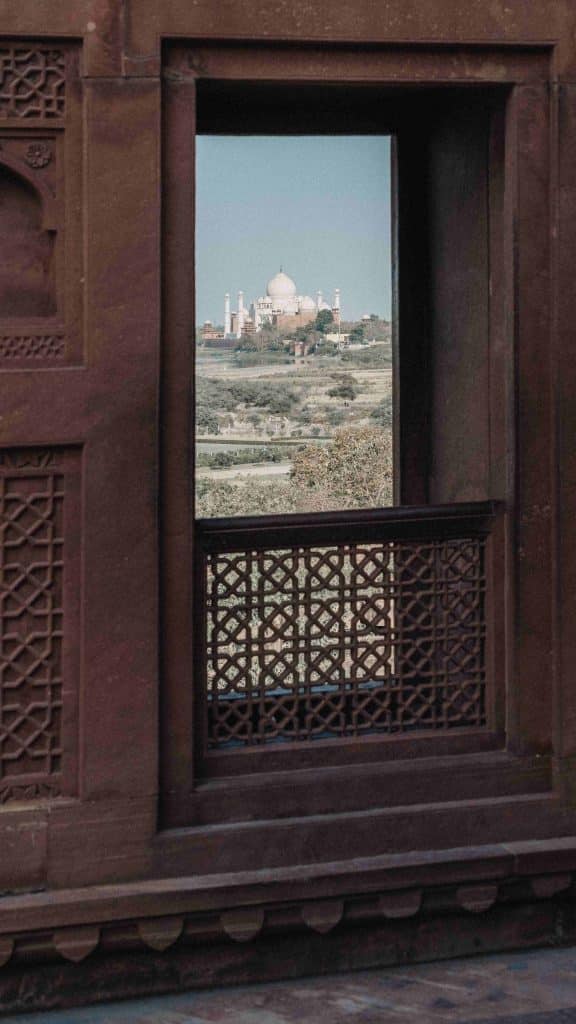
x,y
317,206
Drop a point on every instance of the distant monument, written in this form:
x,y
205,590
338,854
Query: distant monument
x,y
281,306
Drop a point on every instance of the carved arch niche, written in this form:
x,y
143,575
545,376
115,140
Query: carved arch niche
x,y
41,255
27,250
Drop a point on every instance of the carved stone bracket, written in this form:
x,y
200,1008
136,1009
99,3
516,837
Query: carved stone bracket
x,y
401,904
160,932
76,943
243,925
324,916
477,898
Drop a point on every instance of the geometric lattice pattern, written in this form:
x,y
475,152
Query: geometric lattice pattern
x,y
314,643
35,346
32,82
31,591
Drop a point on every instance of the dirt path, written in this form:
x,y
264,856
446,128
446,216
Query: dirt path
x,y
250,469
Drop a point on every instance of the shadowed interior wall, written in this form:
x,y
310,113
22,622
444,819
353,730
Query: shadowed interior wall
x,y
457,189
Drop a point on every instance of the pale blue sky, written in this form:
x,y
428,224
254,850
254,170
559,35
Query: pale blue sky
x,y
319,206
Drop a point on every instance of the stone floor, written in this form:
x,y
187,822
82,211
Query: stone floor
x,y
514,988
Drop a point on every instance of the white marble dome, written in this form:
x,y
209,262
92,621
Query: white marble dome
x,y
307,304
281,286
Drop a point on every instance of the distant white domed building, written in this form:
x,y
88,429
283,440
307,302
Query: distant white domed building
x,y
281,306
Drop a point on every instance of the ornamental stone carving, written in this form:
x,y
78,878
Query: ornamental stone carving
x,y
38,155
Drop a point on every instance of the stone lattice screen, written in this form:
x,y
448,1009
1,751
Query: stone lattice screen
x,y
32,82
310,641
38,581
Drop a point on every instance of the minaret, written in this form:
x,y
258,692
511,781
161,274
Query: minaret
x,y
318,300
241,312
336,306
227,321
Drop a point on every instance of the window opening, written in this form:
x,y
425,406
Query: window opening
x,y
294,336
322,613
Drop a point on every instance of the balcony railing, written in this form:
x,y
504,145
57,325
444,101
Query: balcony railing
x,y
342,625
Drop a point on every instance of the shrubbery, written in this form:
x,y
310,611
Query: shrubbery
x,y
354,470
243,358
374,357
220,498
345,389
229,396
206,420
225,459
383,412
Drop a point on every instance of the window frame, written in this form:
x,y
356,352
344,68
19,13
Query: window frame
x,y
186,786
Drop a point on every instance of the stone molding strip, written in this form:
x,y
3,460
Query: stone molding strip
x,y
245,924
30,347
71,925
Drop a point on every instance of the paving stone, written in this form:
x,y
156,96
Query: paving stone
x,y
538,987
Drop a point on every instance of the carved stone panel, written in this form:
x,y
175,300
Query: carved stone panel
x,y
31,347
32,82
39,520
40,190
